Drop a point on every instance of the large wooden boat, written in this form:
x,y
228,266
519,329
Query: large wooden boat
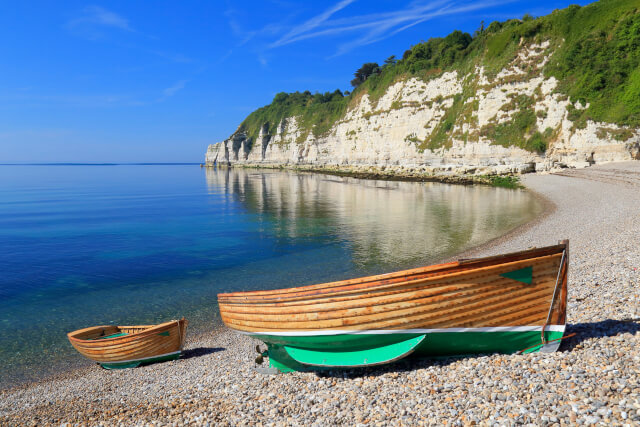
x,y
117,347
505,303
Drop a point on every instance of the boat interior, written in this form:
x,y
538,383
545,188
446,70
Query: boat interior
x,y
108,331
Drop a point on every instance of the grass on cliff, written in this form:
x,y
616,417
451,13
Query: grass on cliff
x,y
315,113
596,59
599,62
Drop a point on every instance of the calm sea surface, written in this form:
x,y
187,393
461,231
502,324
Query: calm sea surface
x,y
89,245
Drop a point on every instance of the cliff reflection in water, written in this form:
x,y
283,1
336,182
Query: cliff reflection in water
x,y
382,222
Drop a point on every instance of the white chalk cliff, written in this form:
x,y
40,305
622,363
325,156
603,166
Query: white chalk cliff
x,y
395,130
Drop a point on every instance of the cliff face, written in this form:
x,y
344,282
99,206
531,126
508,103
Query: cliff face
x,y
458,122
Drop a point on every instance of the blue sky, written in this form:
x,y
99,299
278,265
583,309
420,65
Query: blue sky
x,y
157,81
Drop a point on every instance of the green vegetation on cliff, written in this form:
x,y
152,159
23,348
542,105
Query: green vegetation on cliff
x,y
595,57
315,113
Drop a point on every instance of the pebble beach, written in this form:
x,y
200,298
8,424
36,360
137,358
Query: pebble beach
x,y
594,378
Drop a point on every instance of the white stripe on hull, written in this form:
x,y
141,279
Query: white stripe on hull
x,y
549,328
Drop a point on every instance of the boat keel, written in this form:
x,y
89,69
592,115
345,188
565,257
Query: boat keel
x,y
146,361
379,349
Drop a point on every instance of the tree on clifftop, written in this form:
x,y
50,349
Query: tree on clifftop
x,y
364,72
390,61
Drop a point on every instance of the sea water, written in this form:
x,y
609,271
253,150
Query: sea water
x,y
84,245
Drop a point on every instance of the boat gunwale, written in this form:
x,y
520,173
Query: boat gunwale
x,y
370,281
297,294
145,333
417,300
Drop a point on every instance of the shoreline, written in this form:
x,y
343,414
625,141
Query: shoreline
x,y
390,173
548,208
546,205
594,378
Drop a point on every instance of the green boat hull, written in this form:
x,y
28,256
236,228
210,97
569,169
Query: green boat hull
x,y
318,351
146,361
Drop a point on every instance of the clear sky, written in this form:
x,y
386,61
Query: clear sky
x,y
157,81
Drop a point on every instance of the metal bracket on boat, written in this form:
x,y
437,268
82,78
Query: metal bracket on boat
x,y
553,297
260,360
261,355
548,342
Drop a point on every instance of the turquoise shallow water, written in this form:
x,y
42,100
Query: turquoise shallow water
x,y
127,244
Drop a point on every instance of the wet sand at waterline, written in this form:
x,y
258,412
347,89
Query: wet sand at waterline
x,y
592,379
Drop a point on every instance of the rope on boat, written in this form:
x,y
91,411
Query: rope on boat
x,y
553,299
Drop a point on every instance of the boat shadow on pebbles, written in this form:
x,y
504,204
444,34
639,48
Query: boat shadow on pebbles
x,y
583,332
200,351
601,329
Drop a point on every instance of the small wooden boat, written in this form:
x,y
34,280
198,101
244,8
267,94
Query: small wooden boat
x,y
118,347
498,304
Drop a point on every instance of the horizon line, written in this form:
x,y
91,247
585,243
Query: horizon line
x,y
101,164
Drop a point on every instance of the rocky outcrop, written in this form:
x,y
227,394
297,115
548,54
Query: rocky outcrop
x,y
404,128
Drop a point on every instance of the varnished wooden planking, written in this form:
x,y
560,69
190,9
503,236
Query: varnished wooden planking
x,y
432,270
465,294
399,307
377,302
133,346
437,291
456,302
428,316
142,342
429,271
133,352
395,285
128,348
413,291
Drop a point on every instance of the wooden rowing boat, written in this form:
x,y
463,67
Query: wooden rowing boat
x,y
503,304
117,347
